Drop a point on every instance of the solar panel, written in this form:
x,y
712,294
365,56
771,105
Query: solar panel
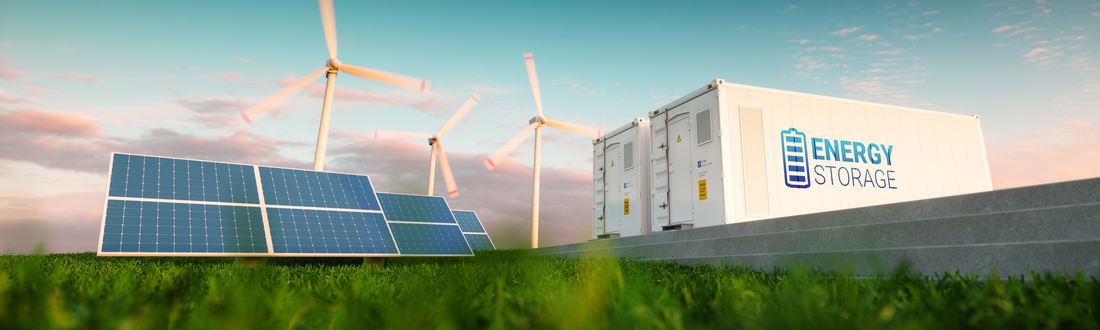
x,y
415,208
178,179
479,242
168,206
468,221
430,239
307,231
179,228
317,189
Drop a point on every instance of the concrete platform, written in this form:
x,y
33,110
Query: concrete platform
x,y
1052,227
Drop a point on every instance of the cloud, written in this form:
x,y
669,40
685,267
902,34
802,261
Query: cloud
x,y
10,98
214,106
220,114
9,74
1071,38
85,78
1035,51
242,59
802,41
4,45
1023,30
59,141
428,104
890,52
1061,153
913,38
502,197
43,91
874,71
845,32
930,12
38,122
866,37
235,78
1007,27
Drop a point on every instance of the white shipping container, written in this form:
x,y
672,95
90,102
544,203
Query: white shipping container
x,y
730,153
620,182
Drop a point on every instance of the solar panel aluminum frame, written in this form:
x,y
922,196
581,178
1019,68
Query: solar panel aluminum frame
x,y
263,211
388,221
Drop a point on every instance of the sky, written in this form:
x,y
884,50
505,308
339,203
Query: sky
x,y
79,80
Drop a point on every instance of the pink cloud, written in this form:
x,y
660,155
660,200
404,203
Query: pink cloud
x,y
431,106
57,141
45,122
12,98
10,74
1062,153
235,78
1035,51
501,197
86,78
845,32
43,91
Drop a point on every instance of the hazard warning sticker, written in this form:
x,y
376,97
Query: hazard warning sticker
x,y
703,189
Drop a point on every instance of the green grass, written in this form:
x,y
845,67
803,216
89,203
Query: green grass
x,y
510,289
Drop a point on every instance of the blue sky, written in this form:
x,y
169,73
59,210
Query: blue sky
x,y
169,77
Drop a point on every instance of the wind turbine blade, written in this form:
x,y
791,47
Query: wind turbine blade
x,y
582,130
529,59
448,177
328,21
503,152
458,115
260,109
400,135
384,77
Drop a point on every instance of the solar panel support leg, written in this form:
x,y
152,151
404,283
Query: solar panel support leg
x,y
376,262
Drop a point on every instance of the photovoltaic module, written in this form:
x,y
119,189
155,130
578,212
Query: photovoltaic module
x,y
158,206
472,229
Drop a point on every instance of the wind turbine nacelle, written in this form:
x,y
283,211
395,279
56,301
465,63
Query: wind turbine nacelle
x,y
537,119
333,63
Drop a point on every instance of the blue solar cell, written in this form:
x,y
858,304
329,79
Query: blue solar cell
x,y
178,179
480,242
468,221
317,189
429,239
158,227
329,232
415,208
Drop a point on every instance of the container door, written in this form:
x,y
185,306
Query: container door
x,y
598,188
613,186
659,203
679,169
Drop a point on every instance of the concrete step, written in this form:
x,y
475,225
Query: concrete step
x,y
1009,259
1082,222
1041,216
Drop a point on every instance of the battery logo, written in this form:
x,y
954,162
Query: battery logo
x,y
795,167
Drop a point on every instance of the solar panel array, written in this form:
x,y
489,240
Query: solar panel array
x,y
473,230
167,206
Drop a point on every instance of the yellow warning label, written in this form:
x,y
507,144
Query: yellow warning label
x,y
626,206
613,163
677,138
703,189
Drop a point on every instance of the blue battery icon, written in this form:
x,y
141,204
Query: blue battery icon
x,y
796,169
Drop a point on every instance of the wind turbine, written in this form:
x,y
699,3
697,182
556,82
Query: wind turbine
x,y
535,124
437,147
332,66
